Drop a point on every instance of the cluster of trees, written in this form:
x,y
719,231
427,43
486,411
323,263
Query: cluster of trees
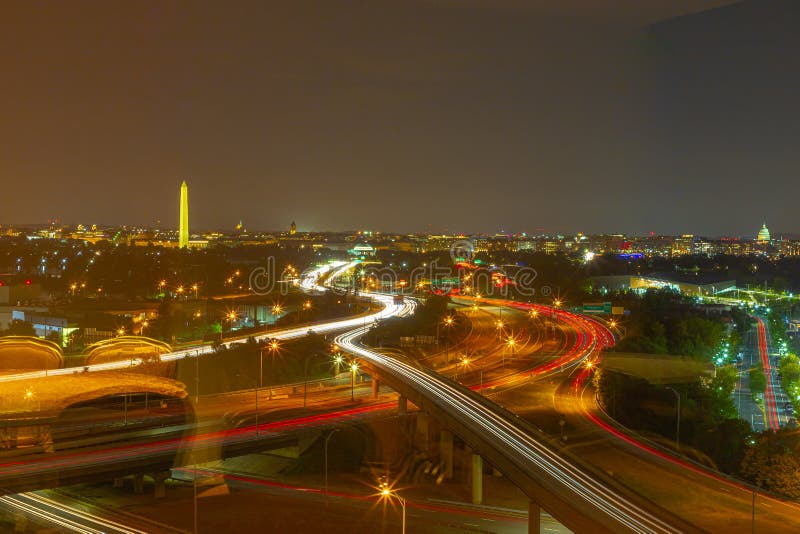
x,y
18,328
663,322
236,367
772,461
709,421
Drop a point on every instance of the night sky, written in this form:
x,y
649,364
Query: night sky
x,y
472,116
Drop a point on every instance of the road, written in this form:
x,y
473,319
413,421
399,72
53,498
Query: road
x,y
49,512
613,509
584,502
747,407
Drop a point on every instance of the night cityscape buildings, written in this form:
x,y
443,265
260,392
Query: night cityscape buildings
x,y
478,266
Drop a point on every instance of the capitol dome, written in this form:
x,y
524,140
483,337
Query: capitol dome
x,y
763,234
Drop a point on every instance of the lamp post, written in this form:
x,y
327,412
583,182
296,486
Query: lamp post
x,y
510,343
327,438
464,362
353,371
677,419
448,322
273,346
388,494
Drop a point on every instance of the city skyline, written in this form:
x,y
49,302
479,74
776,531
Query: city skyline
x,y
636,136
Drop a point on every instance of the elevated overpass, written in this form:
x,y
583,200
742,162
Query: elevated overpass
x,y
579,500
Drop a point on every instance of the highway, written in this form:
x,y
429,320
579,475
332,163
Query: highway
x,y
51,513
578,498
585,503
770,406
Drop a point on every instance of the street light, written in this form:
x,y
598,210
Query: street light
x,y
448,322
273,347
353,371
338,360
327,438
195,287
677,419
464,362
387,493
500,325
510,343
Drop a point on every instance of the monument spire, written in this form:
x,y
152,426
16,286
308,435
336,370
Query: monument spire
x,y
183,227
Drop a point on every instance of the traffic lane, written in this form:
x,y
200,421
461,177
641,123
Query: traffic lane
x,y
709,500
422,515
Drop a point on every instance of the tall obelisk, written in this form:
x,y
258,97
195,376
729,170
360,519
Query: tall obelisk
x,y
183,227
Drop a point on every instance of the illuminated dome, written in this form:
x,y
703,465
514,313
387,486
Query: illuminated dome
x,y
763,234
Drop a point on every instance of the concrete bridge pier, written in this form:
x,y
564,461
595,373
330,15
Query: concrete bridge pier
x,y
159,478
376,387
446,453
402,405
534,518
423,431
477,479
138,483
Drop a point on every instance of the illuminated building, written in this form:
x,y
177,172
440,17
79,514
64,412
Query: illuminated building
x,y
183,227
683,245
763,234
292,228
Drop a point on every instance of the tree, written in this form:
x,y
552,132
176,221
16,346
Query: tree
x,y
758,381
18,328
772,462
789,367
722,390
55,337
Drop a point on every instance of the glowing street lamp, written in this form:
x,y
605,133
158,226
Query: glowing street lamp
x,y
387,493
463,363
195,288
120,331
353,371
448,322
338,360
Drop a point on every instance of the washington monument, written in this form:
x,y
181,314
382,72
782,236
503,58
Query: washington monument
x,y
183,227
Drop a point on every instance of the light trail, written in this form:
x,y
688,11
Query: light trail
x,y
770,408
514,443
65,518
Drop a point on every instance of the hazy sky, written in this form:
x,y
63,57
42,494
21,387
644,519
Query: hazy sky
x,y
474,116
